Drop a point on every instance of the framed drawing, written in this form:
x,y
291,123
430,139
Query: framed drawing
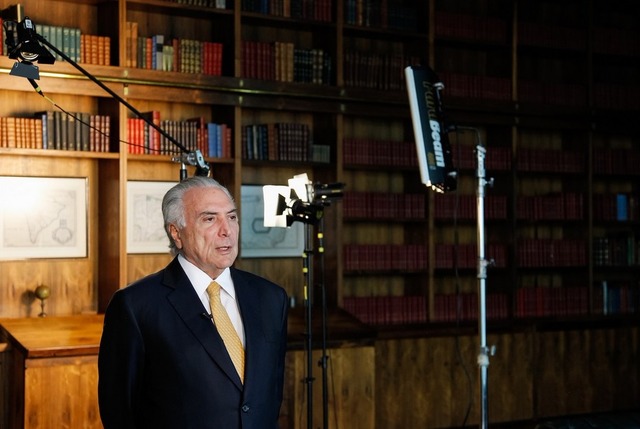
x,y
145,226
258,241
43,217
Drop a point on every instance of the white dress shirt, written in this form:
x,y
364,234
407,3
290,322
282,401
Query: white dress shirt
x,y
201,280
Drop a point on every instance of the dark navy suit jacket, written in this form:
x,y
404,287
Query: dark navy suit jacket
x,y
162,363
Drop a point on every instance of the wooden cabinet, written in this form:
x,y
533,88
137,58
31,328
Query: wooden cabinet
x,y
49,372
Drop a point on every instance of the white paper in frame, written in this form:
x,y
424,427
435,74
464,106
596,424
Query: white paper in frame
x,y
43,217
258,241
145,225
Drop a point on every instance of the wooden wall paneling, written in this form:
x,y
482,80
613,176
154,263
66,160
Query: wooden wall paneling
x,y
73,382
414,383
351,386
73,282
612,358
625,350
111,229
549,387
5,391
510,377
583,371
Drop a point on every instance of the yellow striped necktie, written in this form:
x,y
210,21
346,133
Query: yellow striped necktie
x,y
225,329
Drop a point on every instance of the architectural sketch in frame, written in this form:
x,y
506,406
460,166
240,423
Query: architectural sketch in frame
x,y
43,217
258,241
145,226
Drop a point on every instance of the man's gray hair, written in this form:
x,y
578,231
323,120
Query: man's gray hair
x,y
173,204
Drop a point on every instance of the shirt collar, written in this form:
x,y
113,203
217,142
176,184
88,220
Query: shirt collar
x,y
201,280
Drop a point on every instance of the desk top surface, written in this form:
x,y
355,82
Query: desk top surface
x,y
41,337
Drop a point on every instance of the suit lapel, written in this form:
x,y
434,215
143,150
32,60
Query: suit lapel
x,y
189,307
249,311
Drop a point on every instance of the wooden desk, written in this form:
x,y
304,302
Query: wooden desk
x,y
49,372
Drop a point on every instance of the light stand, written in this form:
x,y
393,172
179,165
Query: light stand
x,y
484,351
307,270
436,170
28,50
324,359
304,202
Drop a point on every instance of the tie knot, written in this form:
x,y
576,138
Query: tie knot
x,y
213,289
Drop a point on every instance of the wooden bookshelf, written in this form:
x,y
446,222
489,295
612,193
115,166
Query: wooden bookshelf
x,y
550,88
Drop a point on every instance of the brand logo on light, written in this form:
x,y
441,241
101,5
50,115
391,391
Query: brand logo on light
x,y
434,126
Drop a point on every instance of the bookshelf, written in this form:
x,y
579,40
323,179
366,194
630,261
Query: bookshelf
x,y
296,72
332,72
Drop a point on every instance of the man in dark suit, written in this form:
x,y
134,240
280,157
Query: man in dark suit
x,y
162,362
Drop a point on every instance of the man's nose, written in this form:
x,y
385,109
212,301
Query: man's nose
x,y
224,228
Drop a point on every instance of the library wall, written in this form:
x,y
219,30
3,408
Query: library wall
x,y
549,88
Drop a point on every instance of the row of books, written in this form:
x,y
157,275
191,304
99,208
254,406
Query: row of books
x,y
3,37
376,70
558,94
95,50
21,133
616,207
618,161
610,41
379,205
616,298
565,206
81,48
382,14
460,85
385,257
215,4
451,206
277,142
616,96
470,27
284,62
530,302
179,55
465,157
465,256
387,310
615,41
616,251
606,161
57,130
313,10
552,36
551,301
160,52
449,307
551,253
213,140
389,257
377,152
551,160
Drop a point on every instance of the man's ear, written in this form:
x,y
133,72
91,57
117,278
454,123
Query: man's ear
x,y
175,234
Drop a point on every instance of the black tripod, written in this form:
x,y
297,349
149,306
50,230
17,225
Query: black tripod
x,y
309,299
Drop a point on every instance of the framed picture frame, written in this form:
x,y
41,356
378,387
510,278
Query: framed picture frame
x,y
145,225
43,217
258,241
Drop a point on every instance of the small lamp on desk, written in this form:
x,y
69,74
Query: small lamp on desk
x,y
42,292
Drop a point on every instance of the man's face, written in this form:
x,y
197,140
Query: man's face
x,y
209,239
